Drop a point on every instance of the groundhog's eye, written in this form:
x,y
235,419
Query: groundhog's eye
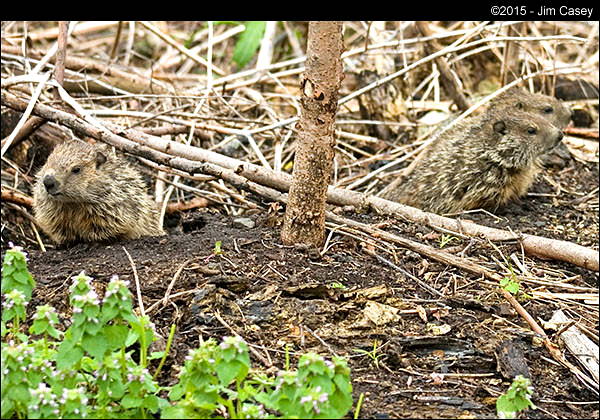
x,y
548,110
532,130
76,169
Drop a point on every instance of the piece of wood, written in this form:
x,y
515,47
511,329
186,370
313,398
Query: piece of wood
x,y
578,344
586,133
447,78
16,197
118,78
510,360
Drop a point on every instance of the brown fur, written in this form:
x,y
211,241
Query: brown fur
x,y
521,102
490,161
524,101
86,193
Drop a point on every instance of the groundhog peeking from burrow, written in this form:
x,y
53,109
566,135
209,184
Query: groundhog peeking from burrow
x,y
86,193
487,163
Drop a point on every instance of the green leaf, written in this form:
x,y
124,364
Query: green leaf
x,y
505,407
151,403
173,412
68,355
109,312
7,408
248,42
116,335
228,371
95,345
17,392
131,401
176,392
156,355
117,389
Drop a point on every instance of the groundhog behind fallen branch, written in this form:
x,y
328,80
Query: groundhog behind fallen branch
x,y
491,161
86,193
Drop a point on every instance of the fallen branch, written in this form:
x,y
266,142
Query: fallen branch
x,y
16,197
196,160
448,79
586,133
194,203
580,346
121,79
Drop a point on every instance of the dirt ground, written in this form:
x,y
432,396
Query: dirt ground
x,y
436,356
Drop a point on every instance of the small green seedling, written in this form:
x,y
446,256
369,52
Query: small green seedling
x,y
446,239
516,399
373,354
510,284
217,250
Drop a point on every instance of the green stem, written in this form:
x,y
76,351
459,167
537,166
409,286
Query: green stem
x,y
287,357
143,348
167,348
359,405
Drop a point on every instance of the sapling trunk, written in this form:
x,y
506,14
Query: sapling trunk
x,y
304,221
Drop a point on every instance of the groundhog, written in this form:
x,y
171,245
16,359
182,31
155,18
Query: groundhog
x,y
548,107
523,101
86,193
488,163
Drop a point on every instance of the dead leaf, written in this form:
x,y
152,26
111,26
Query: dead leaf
x,y
369,292
582,149
439,329
440,354
422,312
380,314
438,378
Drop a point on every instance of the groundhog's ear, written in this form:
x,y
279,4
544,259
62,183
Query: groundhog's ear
x,y
500,127
100,159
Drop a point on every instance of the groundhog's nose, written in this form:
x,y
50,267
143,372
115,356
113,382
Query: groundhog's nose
x,y
51,184
559,138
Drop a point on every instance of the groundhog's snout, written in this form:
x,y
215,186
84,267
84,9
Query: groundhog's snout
x,y
557,139
51,184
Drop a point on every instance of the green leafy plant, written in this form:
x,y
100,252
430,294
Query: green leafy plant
x,y
512,285
217,249
15,275
516,399
215,378
99,367
248,42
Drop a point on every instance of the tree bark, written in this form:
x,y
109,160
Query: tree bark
x,y
304,221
